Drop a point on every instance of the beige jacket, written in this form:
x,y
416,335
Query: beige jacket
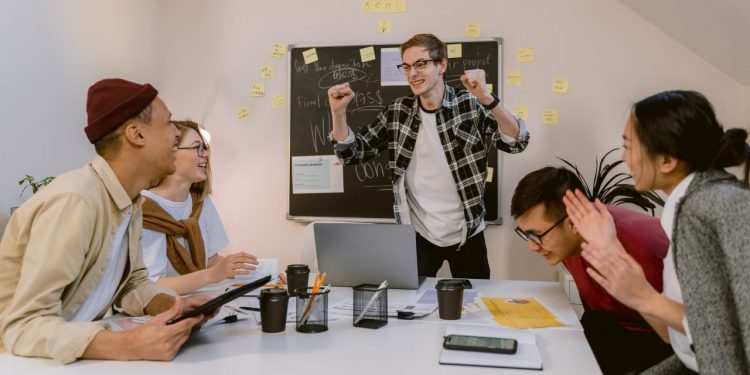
x,y
54,252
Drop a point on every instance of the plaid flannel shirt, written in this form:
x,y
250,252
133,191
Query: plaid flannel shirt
x,y
464,127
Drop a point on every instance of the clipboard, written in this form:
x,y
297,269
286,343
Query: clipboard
x,y
221,300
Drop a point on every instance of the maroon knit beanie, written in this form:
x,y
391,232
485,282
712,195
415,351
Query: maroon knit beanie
x,y
113,101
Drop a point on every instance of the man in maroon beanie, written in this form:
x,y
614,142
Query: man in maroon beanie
x,y
72,252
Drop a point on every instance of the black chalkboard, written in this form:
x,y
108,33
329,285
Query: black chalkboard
x,y
367,187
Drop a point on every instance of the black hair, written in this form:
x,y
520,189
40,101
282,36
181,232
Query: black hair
x,y
683,124
546,186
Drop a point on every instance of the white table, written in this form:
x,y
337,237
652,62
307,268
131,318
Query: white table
x,y
400,347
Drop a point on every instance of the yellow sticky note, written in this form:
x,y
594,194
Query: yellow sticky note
x,y
521,111
490,172
243,113
266,71
366,6
549,116
384,26
310,55
367,54
454,50
401,5
525,54
490,87
278,101
473,30
560,85
515,78
258,89
278,50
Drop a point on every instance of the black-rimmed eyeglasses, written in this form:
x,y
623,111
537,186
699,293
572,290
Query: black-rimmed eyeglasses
x,y
201,149
419,65
537,238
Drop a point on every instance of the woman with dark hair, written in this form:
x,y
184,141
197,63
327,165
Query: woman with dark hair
x,y
673,142
183,232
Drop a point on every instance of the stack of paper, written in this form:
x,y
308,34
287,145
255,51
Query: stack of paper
x,y
527,356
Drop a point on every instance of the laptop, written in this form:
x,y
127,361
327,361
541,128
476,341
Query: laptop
x,y
354,254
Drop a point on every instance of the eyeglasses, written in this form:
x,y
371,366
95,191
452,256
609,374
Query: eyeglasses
x,y
419,65
201,149
537,239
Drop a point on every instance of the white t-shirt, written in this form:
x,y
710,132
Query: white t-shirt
x,y
101,296
436,209
155,243
680,341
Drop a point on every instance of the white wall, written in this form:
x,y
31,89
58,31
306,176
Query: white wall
x,y
213,52
203,56
52,51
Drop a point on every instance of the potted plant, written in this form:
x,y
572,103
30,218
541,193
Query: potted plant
x,y
30,182
615,190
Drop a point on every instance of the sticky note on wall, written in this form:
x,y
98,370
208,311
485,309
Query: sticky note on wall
x,y
258,89
367,54
549,116
490,88
385,26
474,30
514,78
490,173
243,113
525,54
278,50
310,55
560,85
266,71
278,101
521,111
454,50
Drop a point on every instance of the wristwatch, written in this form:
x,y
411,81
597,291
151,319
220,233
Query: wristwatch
x,y
494,103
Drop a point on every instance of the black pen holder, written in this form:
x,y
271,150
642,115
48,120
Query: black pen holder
x,y
376,315
312,310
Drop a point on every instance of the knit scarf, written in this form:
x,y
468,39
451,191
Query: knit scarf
x,y
182,260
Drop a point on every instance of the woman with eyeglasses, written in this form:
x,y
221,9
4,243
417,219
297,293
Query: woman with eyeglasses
x,y
182,230
674,143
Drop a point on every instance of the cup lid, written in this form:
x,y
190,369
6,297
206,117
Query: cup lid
x,y
449,284
297,268
273,294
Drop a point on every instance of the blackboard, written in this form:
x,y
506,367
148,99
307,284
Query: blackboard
x,y
367,192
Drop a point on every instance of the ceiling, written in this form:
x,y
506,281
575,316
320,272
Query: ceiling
x,y
718,30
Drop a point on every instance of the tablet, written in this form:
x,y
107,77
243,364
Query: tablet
x,y
221,300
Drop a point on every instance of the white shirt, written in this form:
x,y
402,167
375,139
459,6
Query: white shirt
x,y
155,243
436,209
101,297
680,341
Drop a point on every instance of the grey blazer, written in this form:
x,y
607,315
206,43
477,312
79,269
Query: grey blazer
x,y
711,248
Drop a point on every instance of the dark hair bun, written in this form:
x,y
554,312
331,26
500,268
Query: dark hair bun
x,y
733,148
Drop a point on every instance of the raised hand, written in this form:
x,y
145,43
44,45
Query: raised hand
x,y
620,275
474,80
592,221
339,97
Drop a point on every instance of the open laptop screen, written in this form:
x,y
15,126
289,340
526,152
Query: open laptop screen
x,y
353,254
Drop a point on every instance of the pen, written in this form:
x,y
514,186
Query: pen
x,y
250,308
372,300
316,287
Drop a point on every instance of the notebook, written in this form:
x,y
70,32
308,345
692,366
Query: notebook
x,y
527,355
354,254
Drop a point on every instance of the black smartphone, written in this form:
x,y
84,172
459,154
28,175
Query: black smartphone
x,y
481,344
466,283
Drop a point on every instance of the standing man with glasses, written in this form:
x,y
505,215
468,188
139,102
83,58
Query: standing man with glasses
x,y
622,339
437,142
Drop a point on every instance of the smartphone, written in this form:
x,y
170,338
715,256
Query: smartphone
x,y
481,344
